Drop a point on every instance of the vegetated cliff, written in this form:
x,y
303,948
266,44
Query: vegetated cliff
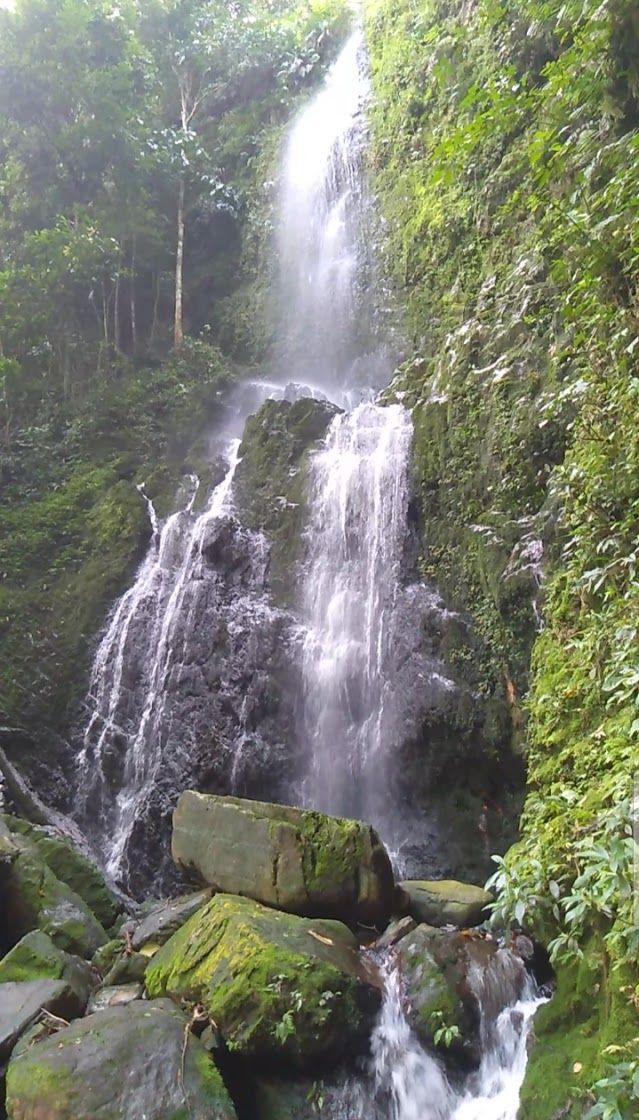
x,y
505,145
93,401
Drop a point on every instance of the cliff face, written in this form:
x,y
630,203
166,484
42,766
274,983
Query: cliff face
x,y
505,161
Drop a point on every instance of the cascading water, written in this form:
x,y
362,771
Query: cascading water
x,y
161,593
404,1081
359,500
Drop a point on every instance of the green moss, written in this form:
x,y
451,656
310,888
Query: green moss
x,y
578,1035
255,969
272,479
35,956
39,1086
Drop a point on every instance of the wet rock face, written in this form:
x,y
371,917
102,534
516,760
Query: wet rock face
x,y
271,480
227,702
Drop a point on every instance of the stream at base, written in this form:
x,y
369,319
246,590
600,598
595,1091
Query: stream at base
x,y
403,1081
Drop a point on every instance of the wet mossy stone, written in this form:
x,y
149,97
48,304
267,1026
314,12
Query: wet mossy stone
x,y
21,1003
34,898
166,918
35,957
71,867
300,861
278,987
271,480
123,1063
446,902
430,989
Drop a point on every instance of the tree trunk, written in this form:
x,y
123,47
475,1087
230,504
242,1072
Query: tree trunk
x,y
178,333
134,329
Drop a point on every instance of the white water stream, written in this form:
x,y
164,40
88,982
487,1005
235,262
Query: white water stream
x,y
408,1083
358,503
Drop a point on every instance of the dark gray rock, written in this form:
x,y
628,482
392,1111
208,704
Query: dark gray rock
x,y
123,1063
167,917
21,1004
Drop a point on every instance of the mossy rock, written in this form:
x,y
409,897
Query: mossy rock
x,y
34,898
73,868
134,1061
277,986
297,860
270,483
35,957
446,902
431,989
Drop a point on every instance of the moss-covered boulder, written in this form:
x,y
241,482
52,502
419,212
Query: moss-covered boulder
x,y
431,985
460,981
300,861
71,867
123,1063
36,957
270,483
276,985
446,902
34,898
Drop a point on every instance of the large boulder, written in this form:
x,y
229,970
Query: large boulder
x,y
445,902
22,1003
125,1063
277,986
34,898
300,861
71,866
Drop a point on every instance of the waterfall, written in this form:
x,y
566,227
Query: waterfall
x,y
327,298
358,502
141,636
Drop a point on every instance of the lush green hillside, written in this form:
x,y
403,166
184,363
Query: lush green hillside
x,y
506,161
115,126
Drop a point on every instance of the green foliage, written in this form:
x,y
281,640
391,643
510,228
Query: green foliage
x,y
105,115
444,1034
505,155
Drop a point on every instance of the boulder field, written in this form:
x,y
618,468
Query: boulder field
x,y
270,969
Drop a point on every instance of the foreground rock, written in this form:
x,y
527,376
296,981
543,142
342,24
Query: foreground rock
x,y
303,862
125,1063
21,1004
277,986
445,902
36,957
